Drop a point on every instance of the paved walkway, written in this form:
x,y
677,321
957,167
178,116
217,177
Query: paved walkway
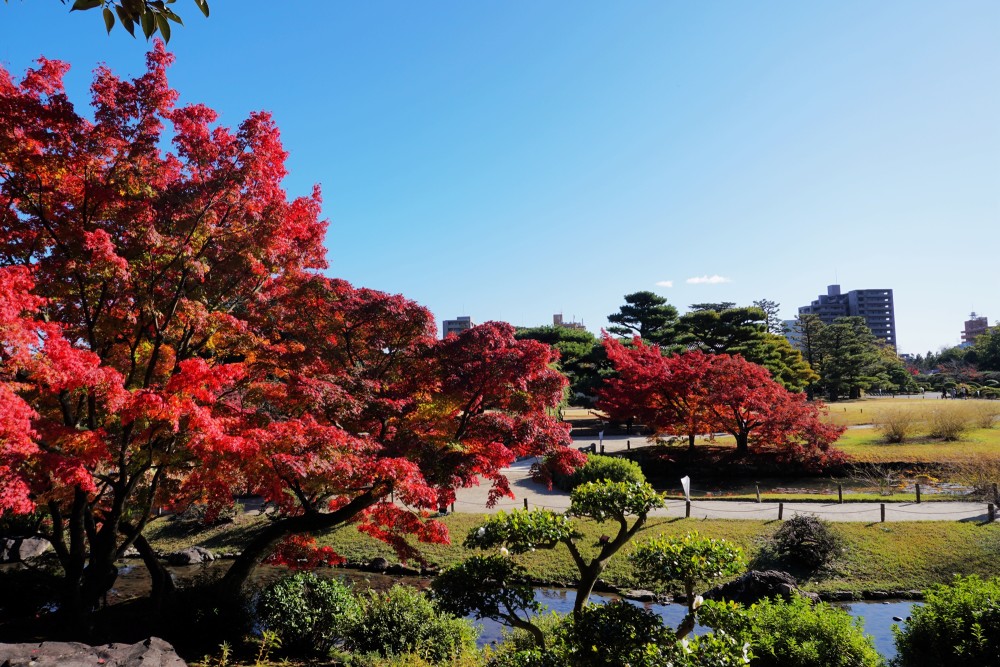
x,y
474,501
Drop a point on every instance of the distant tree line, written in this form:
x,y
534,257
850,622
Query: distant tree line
x,y
840,360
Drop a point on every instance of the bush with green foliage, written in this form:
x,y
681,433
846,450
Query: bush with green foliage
x,y
611,468
806,540
958,624
798,633
402,620
309,614
614,634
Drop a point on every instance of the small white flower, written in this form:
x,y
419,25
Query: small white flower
x,y
482,531
698,601
504,552
684,643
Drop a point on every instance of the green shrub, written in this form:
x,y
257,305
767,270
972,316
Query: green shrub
x,y
958,624
402,621
806,540
799,634
309,614
615,634
611,468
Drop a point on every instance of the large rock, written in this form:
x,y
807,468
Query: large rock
x,y
153,652
190,556
20,549
755,585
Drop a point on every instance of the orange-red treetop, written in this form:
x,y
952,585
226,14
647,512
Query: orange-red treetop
x,y
698,393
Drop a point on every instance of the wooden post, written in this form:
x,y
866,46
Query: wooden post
x,y
687,509
628,444
758,493
525,503
840,494
991,512
917,487
602,449
781,511
453,508
882,506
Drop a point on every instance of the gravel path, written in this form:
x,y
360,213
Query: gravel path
x,y
474,501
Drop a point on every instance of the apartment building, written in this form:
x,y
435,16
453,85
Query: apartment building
x,y
874,305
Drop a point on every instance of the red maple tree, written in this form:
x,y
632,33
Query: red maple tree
x,y
693,392
167,339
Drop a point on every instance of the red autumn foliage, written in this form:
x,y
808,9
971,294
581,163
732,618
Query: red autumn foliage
x,y
167,339
696,393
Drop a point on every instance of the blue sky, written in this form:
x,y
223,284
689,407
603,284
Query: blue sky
x,y
511,160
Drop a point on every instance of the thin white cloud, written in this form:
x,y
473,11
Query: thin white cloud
x,y
708,280
664,283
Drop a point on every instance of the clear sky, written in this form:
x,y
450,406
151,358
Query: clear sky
x,y
508,159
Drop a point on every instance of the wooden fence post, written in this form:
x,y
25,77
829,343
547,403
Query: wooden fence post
x,y
758,492
781,511
991,512
882,506
687,509
917,487
840,494
525,503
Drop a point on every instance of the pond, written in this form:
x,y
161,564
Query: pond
x,y
877,616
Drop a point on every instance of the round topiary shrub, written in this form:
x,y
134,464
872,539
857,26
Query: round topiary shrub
x,y
611,468
402,620
797,633
806,540
308,613
958,624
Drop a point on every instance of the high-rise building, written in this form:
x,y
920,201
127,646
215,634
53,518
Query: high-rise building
x,y
975,326
455,326
875,305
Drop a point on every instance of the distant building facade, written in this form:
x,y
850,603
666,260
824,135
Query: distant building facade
x,y
874,305
455,326
975,326
557,321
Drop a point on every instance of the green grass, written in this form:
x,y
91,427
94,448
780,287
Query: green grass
x,y
866,445
893,556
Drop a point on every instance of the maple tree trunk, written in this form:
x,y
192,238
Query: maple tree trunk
x,y
691,441
743,443
260,547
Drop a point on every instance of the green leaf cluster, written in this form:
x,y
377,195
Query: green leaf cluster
x,y
491,586
521,531
689,559
612,468
151,16
605,499
309,614
958,624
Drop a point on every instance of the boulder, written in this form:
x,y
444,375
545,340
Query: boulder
x,y
398,569
190,556
20,549
377,565
755,585
154,652
640,595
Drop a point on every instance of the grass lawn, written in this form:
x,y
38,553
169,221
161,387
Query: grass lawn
x,y
866,445
889,557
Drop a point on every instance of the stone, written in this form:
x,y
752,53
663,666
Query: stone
x,y
153,652
640,595
20,549
755,585
190,556
377,565
399,569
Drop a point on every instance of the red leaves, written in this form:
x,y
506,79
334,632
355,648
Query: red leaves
x,y
695,393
